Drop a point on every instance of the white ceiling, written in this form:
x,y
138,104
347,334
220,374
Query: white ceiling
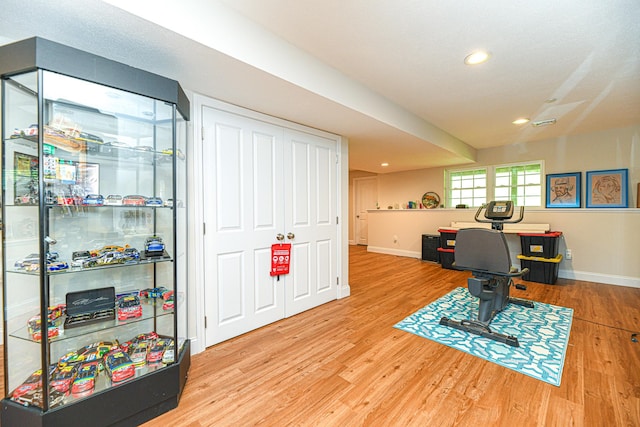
x,y
389,75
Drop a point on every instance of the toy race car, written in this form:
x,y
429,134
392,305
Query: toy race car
x,y
34,398
119,366
158,292
157,350
79,257
62,378
93,200
128,307
138,352
134,200
33,382
154,246
128,345
88,353
85,380
154,201
113,200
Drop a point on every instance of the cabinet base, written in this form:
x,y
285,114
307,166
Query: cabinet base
x,y
128,404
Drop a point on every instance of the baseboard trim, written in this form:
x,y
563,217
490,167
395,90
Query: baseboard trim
x,y
607,279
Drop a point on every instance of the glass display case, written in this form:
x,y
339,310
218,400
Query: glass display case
x,y
94,212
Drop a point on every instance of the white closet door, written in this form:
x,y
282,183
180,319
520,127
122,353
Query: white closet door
x,y
244,210
311,217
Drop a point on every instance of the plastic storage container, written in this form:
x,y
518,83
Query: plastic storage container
x,y
447,238
447,257
541,270
430,244
543,245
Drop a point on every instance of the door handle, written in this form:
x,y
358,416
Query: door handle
x,y
291,236
280,237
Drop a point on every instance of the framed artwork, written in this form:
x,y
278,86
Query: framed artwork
x,y
607,188
564,190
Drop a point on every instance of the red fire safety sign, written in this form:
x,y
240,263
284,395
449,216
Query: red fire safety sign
x,y
280,258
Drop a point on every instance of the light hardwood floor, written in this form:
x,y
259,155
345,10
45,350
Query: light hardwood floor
x,y
343,364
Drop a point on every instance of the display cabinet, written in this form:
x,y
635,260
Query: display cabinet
x,y
94,245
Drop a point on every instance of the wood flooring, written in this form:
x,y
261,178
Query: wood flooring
x,y
343,364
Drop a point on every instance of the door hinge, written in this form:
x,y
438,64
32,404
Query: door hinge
x,y
337,220
205,322
202,133
337,159
338,281
204,228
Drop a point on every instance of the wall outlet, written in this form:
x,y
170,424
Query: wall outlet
x,y
569,254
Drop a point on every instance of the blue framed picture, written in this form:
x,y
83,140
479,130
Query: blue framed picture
x,y
608,188
564,190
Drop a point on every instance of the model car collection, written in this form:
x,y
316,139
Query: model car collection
x,y
77,372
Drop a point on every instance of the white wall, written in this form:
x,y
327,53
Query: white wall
x,y
603,241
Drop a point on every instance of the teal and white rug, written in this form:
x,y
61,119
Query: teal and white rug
x,y
543,333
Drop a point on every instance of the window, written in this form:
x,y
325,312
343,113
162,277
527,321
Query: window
x,y
468,187
521,183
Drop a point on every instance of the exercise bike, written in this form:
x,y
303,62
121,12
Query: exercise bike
x,y
485,253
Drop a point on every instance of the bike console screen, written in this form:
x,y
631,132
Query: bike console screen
x,y
499,210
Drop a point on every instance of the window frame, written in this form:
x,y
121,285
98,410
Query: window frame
x,y
491,179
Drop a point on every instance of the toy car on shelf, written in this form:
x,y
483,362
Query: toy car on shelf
x,y
154,246
79,257
179,153
85,380
134,200
128,307
169,301
169,354
138,352
34,326
34,398
158,292
21,133
153,201
57,266
119,366
128,345
131,255
113,200
93,200
62,378
88,353
157,350
34,381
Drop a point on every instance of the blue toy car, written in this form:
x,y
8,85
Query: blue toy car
x,y
154,246
154,201
93,200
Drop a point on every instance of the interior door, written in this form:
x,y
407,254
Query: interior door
x,y
310,220
366,196
243,212
261,181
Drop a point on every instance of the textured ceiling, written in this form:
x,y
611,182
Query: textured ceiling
x,y
388,75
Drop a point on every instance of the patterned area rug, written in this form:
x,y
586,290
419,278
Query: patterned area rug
x,y
542,331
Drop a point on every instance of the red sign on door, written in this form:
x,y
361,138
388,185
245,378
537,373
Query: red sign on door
x,y
280,258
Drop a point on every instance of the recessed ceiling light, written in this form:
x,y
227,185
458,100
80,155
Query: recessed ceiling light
x,y
384,165
520,121
476,58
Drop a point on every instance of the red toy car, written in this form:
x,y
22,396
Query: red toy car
x,y
118,366
62,378
85,381
33,382
134,200
129,307
157,350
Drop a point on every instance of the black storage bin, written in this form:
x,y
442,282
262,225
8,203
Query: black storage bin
x,y
447,257
447,238
541,270
430,244
543,245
